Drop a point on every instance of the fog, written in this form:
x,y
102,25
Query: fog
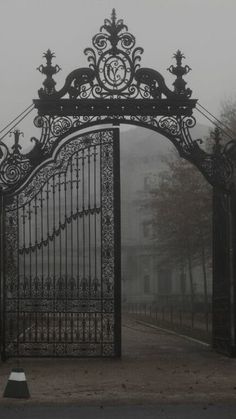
x,y
204,30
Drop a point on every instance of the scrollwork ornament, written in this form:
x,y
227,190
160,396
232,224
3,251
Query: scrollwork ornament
x,y
136,57
61,125
43,122
85,91
97,91
188,122
170,124
14,168
91,57
39,121
12,173
127,41
100,41
145,91
133,91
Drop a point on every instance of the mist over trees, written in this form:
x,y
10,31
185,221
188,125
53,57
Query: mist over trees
x,y
180,205
228,115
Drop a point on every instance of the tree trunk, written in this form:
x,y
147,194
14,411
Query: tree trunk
x,y
203,259
190,269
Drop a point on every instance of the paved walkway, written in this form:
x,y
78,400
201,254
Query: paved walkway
x,y
156,367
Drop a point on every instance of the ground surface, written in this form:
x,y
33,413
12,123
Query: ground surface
x,y
119,412
156,368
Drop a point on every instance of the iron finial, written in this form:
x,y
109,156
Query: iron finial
x,y
49,70
179,71
49,55
113,27
179,56
16,146
113,16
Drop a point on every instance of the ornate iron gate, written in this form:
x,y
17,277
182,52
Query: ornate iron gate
x,y
61,253
60,264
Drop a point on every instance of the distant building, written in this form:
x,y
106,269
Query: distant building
x,y
145,272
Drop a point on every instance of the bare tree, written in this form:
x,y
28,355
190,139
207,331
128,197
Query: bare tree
x,y
180,207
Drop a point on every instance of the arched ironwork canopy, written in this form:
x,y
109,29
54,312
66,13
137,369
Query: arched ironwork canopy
x,y
114,88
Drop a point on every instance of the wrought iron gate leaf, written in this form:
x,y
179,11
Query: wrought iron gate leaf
x,y
61,276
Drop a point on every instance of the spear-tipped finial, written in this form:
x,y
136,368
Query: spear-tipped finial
x,y
113,16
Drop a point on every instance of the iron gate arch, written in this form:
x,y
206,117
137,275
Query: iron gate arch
x,y
116,90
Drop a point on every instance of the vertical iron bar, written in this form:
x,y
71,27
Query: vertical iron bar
x,y
72,249
101,239
42,255
18,277
36,264
3,277
60,243
48,259
25,277
60,256
95,232
77,220
84,282
77,237
42,261
30,254
30,274
66,258
48,246
83,208
117,240
54,257
71,212
89,240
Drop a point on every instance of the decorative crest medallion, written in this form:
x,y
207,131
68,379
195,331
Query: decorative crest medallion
x,y
114,59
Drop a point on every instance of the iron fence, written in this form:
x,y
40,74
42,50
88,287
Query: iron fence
x,y
176,312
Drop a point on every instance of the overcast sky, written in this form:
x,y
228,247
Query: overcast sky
x,y
205,30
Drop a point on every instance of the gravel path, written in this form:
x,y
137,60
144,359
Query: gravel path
x,y
156,367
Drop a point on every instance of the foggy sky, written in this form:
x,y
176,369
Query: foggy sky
x,y
204,30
